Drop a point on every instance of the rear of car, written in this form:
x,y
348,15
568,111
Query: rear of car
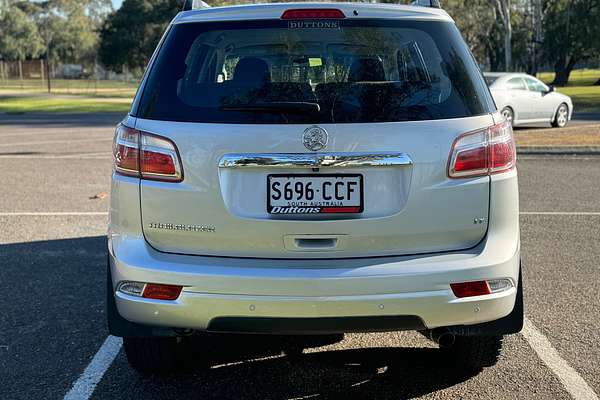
x,y
313,169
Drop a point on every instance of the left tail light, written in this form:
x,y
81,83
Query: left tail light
x,y
145,155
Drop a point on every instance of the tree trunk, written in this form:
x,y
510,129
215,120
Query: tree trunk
x,y
21,72
508,47
562,71
48,73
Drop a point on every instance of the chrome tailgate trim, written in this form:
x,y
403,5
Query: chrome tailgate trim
x,y
318,160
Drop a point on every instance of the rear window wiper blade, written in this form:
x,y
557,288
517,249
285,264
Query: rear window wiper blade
x,y
275,106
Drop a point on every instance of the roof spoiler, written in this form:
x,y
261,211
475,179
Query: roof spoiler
x,y
427,3
194,5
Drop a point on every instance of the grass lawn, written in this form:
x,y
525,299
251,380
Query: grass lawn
x,y
63,104
586,97
80,95
571,136
69,86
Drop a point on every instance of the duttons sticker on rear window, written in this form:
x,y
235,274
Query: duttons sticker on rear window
x,y
314,25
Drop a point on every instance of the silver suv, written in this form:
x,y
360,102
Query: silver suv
x,y
305,170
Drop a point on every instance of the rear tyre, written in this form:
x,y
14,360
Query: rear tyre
x,y
561,117
150,355
476,352
508,114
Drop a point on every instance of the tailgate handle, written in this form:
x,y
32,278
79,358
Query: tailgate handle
x,y
317,160
313,242
316,243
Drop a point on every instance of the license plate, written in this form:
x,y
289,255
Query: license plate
x,y
314,194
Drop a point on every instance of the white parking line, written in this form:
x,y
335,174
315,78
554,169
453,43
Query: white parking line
x,y
571,380
560,213
84,386
70,132
75,213
55,141
98,155
51,214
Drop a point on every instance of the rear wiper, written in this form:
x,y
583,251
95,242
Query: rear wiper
x,y
275,106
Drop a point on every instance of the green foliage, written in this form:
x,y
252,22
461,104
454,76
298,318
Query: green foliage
x,y
129,35
571,34
19,37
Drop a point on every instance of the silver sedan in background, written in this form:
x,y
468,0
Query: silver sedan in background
x,y
523,99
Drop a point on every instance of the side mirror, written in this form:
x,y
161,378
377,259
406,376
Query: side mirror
x,y
551,89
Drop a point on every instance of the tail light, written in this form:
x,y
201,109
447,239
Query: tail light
x,y
146,155
317,13
483,152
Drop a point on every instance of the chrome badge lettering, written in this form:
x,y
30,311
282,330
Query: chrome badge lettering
x,y
314,25
182,227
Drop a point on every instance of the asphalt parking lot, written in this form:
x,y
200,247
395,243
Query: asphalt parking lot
x,y
53,339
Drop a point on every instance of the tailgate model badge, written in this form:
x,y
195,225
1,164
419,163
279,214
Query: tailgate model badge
x,y
315,138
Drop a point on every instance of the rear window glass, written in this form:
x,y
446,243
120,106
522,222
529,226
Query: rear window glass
x,y
341,72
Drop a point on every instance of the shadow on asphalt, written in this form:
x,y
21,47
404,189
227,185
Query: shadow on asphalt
x,y
370,373
51,312
53,322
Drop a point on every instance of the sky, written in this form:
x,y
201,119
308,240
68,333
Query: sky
x,y
117,3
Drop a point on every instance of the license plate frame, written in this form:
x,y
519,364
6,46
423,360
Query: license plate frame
x,y
322,209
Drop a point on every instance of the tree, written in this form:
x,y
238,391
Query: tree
x,y
68,28
129,35
571,34
19,37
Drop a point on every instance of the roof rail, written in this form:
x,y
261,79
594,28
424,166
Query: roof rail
x,y
194,5
427,3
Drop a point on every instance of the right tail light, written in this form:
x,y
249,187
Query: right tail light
x,y
146,155
483,152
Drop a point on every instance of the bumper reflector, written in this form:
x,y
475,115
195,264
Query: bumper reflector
x,y
480,288
150,290
161,292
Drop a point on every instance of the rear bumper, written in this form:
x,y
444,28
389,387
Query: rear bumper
x,y
373,294
369,294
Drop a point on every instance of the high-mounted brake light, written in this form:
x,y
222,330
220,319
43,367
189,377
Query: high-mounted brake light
x,y
483,152
314,13
146,155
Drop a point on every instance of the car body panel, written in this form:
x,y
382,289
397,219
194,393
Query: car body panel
x,y
408,209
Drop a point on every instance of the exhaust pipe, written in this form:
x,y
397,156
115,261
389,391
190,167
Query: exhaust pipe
x,y
442,336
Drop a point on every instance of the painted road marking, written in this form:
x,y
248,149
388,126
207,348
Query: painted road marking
x,y
571,380
98,155
52,214
55,142
559,213
83,213
69,132
84,386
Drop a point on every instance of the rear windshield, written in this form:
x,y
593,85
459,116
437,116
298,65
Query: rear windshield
x,y
346,71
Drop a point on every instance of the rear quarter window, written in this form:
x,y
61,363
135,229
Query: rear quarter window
x,y
360,71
